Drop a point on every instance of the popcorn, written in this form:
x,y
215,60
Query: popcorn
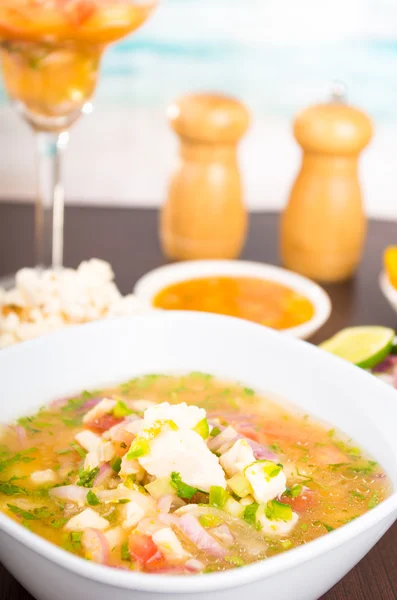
x,y
45,301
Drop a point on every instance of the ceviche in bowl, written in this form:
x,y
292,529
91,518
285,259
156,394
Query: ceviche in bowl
x,y
184,479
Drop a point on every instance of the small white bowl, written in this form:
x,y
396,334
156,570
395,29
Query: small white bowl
x,y
388,290
153,282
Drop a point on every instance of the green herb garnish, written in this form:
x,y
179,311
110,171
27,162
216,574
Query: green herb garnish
x,y
9,489
116,464
139,447
92,499
183,490
28,516
373,501
71,422
218,496
327,527
87,478
277,511
235,561
210,520
249,392
80,451
294,491
249,514
215,431
124,552
121,410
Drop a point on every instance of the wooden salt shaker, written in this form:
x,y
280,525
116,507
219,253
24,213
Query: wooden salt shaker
x,y
323,226
204,216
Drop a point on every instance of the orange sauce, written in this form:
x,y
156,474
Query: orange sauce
x,y
265,302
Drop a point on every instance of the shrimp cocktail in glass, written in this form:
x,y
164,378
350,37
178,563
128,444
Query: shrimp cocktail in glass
x,y
51,52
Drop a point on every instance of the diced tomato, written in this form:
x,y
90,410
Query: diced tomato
x,y
248,432
308,499
104,423
141,547
280,431
329,455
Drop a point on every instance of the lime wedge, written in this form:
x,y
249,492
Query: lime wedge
x,y
363,346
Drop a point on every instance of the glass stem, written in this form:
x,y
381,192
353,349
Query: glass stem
x,y
50,200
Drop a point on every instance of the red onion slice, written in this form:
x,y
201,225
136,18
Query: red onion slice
x,y
59,403
105,472
260,452
191,527
228,435
90,403
194,566
223,533
164,503
95,546
21,435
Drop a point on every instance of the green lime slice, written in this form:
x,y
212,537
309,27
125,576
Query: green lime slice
x,y
363,346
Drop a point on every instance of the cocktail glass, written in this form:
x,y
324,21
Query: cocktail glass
x,y
51,52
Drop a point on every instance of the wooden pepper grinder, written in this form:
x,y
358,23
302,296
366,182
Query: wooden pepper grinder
x,y
323,226
204,216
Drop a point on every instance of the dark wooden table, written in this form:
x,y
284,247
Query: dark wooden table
x,y
128,240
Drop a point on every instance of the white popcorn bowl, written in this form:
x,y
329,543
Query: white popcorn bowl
x,y
107,352
153,282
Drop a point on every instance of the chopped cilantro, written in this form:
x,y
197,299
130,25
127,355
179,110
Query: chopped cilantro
x,y
116,464
9,489
294,491
215,431
235,561
373,501
121,410
327,527
199,375
304,526
63,451
355,494
28,516
71,422
42,512
80,451
87,478
182,489
92,499
124,552
19,457
75,539
275,447
249,392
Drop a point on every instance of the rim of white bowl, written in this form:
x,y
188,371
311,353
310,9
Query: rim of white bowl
x,y
207,582
156,280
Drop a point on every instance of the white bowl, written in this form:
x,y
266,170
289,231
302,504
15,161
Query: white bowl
x,y
107,352
153,282
388,290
